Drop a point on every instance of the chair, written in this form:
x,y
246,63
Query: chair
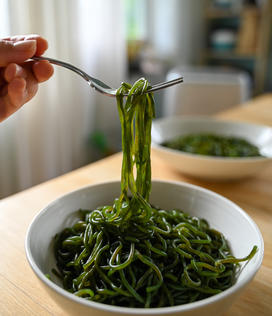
x,y
206,90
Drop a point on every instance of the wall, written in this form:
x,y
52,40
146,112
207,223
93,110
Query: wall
x,y
176,29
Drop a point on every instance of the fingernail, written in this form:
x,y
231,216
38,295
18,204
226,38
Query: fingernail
x,y
25,45
19,71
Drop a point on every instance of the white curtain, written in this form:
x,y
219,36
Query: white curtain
x,y
48,136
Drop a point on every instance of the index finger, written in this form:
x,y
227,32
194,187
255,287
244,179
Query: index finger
x,y
42,44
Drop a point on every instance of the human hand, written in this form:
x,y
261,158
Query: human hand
x,y
19,78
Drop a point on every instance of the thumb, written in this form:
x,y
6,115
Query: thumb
x,y
16,52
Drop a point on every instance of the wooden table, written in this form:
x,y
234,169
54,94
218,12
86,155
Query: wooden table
x,y
20,291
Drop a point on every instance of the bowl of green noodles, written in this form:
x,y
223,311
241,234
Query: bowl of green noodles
x,y
137,247
211,149
166,275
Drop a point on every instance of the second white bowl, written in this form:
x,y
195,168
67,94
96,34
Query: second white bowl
x,y
210,167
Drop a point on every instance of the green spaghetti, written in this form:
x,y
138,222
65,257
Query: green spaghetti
x,y
134,254
214,145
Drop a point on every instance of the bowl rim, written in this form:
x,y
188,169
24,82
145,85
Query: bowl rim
x,y
144,311
206,118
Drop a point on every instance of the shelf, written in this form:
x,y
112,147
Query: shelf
x,y
229,55
253,26
214,13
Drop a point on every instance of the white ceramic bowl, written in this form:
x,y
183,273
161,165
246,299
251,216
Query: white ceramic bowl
x,y
209,167
239,229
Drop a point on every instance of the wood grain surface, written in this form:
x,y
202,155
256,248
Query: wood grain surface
x,y
22,294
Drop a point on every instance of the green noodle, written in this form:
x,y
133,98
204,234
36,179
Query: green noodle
x,y
214,145
134,254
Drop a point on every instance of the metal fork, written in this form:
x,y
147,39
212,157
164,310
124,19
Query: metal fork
x,y
98,84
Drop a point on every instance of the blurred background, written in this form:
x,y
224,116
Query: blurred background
x,y
223,48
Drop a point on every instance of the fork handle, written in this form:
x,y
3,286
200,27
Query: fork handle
x,y
92,81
